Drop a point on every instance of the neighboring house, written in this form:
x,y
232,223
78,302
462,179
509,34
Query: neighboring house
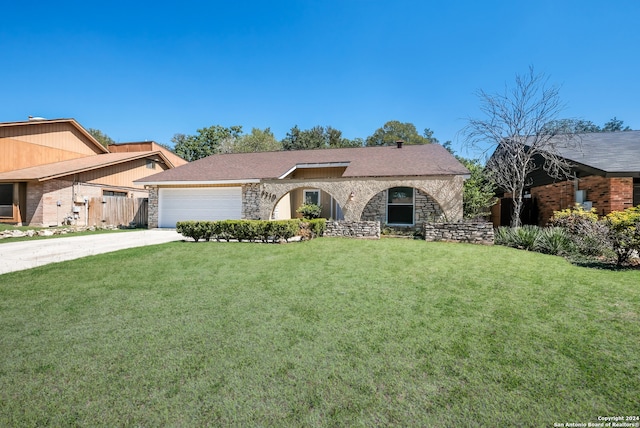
x,y
398,186
50,169
606,170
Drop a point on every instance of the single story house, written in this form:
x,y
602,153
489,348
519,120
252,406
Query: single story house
x,y
50,170
400,186
605,176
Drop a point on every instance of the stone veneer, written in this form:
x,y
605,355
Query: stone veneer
x,y
426,209
353,229
439,197
475,233
153,208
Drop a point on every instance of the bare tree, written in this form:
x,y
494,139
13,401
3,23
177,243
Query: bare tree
x,y
517,127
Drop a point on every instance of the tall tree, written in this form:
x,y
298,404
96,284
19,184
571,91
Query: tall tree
x,y
478,190
516,125
102,138
318,137
394,130
259,140
615,125
207,142
579,126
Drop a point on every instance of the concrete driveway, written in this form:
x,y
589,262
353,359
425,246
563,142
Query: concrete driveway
x,y
16,256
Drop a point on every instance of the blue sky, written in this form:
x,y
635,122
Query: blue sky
x,y
148,70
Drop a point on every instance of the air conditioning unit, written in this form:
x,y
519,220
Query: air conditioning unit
x,y
587,205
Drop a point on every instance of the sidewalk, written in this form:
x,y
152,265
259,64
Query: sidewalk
x,y
22,255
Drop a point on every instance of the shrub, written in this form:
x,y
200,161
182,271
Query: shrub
x,y
310,211
572,218
195,229
242,230
624,232
589,236
554,240
524,237
313,228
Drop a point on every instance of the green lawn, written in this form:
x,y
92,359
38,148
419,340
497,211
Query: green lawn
x,y
4,227
330,332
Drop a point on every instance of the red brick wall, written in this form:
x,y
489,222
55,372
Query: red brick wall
x,y
553,197
606,194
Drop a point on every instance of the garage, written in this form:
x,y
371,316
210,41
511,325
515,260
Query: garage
x,y
198,203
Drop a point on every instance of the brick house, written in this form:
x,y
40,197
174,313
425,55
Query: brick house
x,y
606,176
50,170
400,186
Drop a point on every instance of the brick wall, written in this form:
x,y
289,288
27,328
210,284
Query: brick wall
x,y
606,194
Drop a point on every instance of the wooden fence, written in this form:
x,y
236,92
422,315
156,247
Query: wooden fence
x,y
116,211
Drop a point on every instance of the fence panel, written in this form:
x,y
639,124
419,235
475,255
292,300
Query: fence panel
x,y
116,211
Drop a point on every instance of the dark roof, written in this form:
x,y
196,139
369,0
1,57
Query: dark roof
x,y
74,166
410,160
609,152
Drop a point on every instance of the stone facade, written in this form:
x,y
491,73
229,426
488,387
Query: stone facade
x,y
251,201
475,233
353,195
353,229
153,207
426,209
437,197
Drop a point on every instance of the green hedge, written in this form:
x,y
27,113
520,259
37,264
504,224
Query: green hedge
x,y
247,230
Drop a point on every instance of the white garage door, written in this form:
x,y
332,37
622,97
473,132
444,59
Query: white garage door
x,y
198,203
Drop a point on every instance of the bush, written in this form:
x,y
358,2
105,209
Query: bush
x,y
310,211
573,218
589,236
313,228
524,237
555,241
242,230
624,233
195,229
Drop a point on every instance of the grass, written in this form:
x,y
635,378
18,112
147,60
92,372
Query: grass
x,y
4,227
330,332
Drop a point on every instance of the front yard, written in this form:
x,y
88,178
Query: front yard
x,y
330,332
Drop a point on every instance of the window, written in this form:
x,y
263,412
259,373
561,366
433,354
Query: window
x,y
312,197
636,192
114,193
6,200
151,164
400,206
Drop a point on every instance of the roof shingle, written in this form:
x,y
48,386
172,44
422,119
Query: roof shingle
x,y
410,160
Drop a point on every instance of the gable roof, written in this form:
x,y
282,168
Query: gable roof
x,y
72,122
75,166
387,161
608,152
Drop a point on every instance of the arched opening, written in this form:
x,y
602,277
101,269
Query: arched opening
x,y
402,207
287,206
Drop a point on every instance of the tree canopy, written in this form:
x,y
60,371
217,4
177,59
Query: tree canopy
x,y
318,137
394,130
102,138
206,142
580,126
259,140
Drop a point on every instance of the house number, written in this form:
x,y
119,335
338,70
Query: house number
x,y
268,195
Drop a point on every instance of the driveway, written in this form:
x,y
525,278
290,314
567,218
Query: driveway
x,y
29,254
